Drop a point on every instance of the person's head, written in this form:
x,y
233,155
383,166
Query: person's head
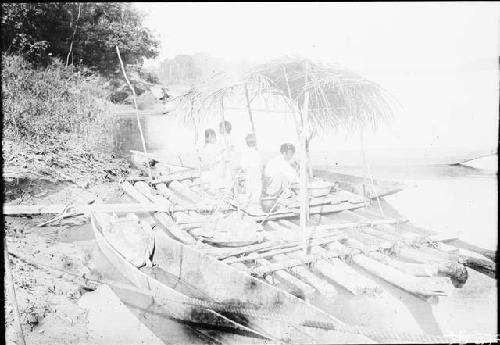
x,y
287,150
225,125
210,136
250,139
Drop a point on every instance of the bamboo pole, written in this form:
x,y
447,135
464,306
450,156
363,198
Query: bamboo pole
x,y
304,198
367,171
12,295
250,115
135,105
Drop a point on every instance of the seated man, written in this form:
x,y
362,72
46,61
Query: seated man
x,y
279,173
251,165
212,161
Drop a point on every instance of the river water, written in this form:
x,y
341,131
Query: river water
x,y
459,200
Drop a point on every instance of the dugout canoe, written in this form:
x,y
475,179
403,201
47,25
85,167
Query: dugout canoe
x,y
255,308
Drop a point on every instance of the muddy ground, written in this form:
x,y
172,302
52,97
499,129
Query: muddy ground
x,y
53,307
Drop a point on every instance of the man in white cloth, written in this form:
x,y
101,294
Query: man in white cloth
x,y
251,165
279,173
212,161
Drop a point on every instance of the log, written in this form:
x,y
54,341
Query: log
x,y
134,193
490,254
287,248
306,275
289,263
446,264
313,210
173,229
292,284
418,270
420,286
184,192
452,269
356,225
177,176
163,190
339,272
251,248
471,259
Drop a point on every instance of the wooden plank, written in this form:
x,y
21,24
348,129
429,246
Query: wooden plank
x,y
13,210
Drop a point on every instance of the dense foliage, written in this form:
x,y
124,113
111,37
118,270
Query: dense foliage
x,y
51,104
79,33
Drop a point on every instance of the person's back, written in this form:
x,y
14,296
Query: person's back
x,y
279,173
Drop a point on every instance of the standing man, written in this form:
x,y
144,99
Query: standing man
x,y
279,173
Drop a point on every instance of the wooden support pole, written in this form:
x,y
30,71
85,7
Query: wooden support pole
x,y
135,105
250,115
304,178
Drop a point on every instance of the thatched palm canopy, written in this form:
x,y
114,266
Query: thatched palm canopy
x,y
338,98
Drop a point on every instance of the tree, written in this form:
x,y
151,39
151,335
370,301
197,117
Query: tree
x,y
92,30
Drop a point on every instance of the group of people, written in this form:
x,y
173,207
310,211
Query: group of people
x,y
249,175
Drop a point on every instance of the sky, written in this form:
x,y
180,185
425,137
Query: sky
x,y
439,60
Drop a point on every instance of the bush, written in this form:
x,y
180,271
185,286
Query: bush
x,y
53,103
